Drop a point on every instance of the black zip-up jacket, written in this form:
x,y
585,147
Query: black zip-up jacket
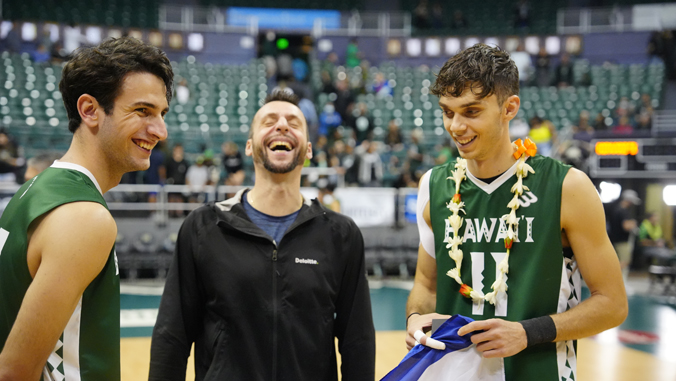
x,y
261,310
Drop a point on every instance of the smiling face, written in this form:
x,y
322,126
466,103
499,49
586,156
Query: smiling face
x,y
478,126
136,124
279,138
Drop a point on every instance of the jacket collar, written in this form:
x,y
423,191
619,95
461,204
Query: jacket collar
x,y
231,212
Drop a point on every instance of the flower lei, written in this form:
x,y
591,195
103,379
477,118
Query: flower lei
x,y
522,151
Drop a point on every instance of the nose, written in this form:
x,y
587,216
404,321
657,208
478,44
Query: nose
x,y
158,129
456,125
282,124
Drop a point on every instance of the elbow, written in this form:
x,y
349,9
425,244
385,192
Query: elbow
x,y
624,311
619,312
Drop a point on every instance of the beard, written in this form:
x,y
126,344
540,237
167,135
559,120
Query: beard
x,y
261,156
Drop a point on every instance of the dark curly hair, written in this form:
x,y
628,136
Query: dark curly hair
x,y
484,69
100,70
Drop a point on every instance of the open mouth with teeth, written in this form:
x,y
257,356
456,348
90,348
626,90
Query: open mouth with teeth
x,y
279,146
464,141
143,144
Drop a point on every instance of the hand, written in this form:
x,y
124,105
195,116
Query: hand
x,y
420,323
496,337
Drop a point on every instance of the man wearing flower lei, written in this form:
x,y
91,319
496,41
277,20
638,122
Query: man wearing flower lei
x,y
506,234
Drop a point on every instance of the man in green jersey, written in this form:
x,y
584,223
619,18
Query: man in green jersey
x,y
529,326
59,281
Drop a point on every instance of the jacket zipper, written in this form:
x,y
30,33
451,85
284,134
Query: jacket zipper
x,y
274,312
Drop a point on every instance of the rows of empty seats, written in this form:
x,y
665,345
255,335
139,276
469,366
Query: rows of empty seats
x,y
224,99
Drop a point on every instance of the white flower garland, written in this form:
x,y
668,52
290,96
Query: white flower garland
x,y
522,151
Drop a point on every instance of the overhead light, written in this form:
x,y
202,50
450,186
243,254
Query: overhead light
x,y
452,46
669,195
609,191
433,47
471,41
29,31
553,45
413,47
93,34
533,45
492,41
195,42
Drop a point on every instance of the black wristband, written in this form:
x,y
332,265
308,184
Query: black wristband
x,y
409,316
539,330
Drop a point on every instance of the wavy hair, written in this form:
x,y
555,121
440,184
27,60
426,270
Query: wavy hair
x,y
483,69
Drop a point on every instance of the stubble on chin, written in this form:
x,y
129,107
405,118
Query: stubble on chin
x,y
262,158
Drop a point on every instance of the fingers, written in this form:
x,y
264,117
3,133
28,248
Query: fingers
x,y
497,338
420,323
410,342
478,325
428,341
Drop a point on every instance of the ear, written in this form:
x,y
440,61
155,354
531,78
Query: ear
x,y
308,154
90,110
248,150
511,107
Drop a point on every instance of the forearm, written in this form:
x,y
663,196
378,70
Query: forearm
x,y
421,300
592,316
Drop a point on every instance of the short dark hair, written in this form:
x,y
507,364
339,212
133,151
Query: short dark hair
x,y
100,70
280,96
484,69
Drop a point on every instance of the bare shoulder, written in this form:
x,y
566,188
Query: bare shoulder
x,y
579,200
575,179
77,224
91,217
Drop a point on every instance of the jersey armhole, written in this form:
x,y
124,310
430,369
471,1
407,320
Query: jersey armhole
x,y
425,232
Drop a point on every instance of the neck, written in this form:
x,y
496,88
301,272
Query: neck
x,y
276,194
80,153
499,162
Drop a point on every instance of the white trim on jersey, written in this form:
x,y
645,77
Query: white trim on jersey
x,y
424,230
71,345
569,297
495,184
79,168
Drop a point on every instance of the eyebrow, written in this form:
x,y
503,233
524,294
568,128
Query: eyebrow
x,y
276,115
468,104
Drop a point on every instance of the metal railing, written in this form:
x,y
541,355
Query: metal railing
x,y
664,121
594,20
213,19
643,17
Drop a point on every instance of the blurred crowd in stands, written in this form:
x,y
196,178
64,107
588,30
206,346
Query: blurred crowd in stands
x,y
343,132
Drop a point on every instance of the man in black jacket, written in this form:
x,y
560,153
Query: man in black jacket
x,y
264,282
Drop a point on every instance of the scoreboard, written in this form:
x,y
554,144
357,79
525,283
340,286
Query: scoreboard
x,y
633,158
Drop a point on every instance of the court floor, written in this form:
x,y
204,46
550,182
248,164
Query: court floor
x,y
642,348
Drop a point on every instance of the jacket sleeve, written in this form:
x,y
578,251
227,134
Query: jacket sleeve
x,y
354,322
181,310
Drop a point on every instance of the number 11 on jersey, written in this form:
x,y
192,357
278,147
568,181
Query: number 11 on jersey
x,y
478,266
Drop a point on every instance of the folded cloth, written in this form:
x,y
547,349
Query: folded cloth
x,y
459,361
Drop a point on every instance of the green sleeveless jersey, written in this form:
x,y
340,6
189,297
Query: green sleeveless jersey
x,y
541,280
89,347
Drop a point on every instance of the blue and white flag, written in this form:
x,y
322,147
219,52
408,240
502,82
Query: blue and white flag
x,y
459,361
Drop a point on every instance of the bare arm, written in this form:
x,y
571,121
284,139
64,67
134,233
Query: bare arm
x,y
422,298
583,222
67,250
